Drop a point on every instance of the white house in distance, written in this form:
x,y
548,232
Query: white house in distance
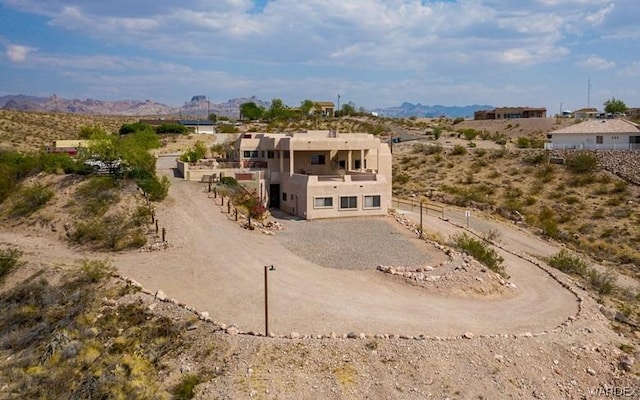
x,y
596,134
320,174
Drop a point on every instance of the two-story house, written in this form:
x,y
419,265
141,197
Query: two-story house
x,y
319,174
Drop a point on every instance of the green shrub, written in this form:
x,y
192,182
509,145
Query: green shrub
x,y
96,270
458,150
155,187
30,199
9,259
401,178
481,252
568,263
226,128
469,133
197,152
97,194
185,390
172,128
602,282
427,149
458,120
581,162
523,142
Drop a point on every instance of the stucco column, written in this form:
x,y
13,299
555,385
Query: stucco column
x,y
361,160
281,162
291,162
349,160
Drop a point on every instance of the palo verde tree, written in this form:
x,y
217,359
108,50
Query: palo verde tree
x,y
614,105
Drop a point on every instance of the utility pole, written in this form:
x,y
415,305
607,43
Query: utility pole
x,y
338,108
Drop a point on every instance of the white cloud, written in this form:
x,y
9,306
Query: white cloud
x,y
632,70
17,53
595,62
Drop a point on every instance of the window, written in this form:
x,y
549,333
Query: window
x,y
599,139
284,196
372,201
287,154
291,197
317,159
323,202
348,202
356,164
250,154
271,154
342,164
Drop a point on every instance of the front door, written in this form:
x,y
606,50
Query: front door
x,y
274,196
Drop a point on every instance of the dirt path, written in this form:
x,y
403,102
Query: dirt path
x,y
215,266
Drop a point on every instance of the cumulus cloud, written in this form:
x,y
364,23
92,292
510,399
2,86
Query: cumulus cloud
x,y
632,70
17,53
595,62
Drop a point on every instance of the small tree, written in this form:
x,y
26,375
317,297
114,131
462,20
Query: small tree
x,y
212,117
250,111
614,105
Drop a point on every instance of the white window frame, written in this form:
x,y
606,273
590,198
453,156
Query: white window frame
x,y
372,196
323,198
348,208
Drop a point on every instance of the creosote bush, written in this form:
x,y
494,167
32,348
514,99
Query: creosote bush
x,y
9,259
185,390
30,199
481,252
581,162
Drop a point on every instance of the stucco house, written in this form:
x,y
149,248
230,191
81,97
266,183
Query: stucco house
x,y
594,134
320,174
510,113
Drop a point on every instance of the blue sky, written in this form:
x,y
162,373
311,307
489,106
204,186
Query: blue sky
x,y
376,53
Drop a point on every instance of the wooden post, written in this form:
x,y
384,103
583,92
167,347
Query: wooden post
x,y
421,218
266,302
164,233
209,186
236,212
156,226
153,216
228,207
222,199
215,193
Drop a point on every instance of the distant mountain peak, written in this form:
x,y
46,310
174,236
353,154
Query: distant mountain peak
x,y
406,110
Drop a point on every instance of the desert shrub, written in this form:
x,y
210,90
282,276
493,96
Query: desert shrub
x,y
536,158
537,143
619,187
9,259
602,282
568,263
97,194
156,188
547,221
185,390
481,252
110,232
523,142
195,153
458,120
96,270
226,128
427,149
458,150
401,178
30,199
581,162
229,181
172,128
470,133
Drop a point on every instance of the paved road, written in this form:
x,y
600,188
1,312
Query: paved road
x,y
218,267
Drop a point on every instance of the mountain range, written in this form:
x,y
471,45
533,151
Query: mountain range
x,y
200,106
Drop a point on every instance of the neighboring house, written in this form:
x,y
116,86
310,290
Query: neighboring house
x,y
633,112
611,134
71,147
510,113
586,113
327,108
199,125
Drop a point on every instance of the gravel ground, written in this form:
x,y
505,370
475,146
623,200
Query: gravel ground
x,y
358,243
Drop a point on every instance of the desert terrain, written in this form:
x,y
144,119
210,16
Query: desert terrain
x,y
340,326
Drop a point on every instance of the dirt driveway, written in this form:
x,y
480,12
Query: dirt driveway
x,y
216,266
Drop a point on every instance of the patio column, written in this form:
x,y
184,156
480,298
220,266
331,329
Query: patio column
x,y
349,165
291,162
281,162
361,160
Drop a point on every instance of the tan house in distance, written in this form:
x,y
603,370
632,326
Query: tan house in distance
x,y
510,113
327,108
